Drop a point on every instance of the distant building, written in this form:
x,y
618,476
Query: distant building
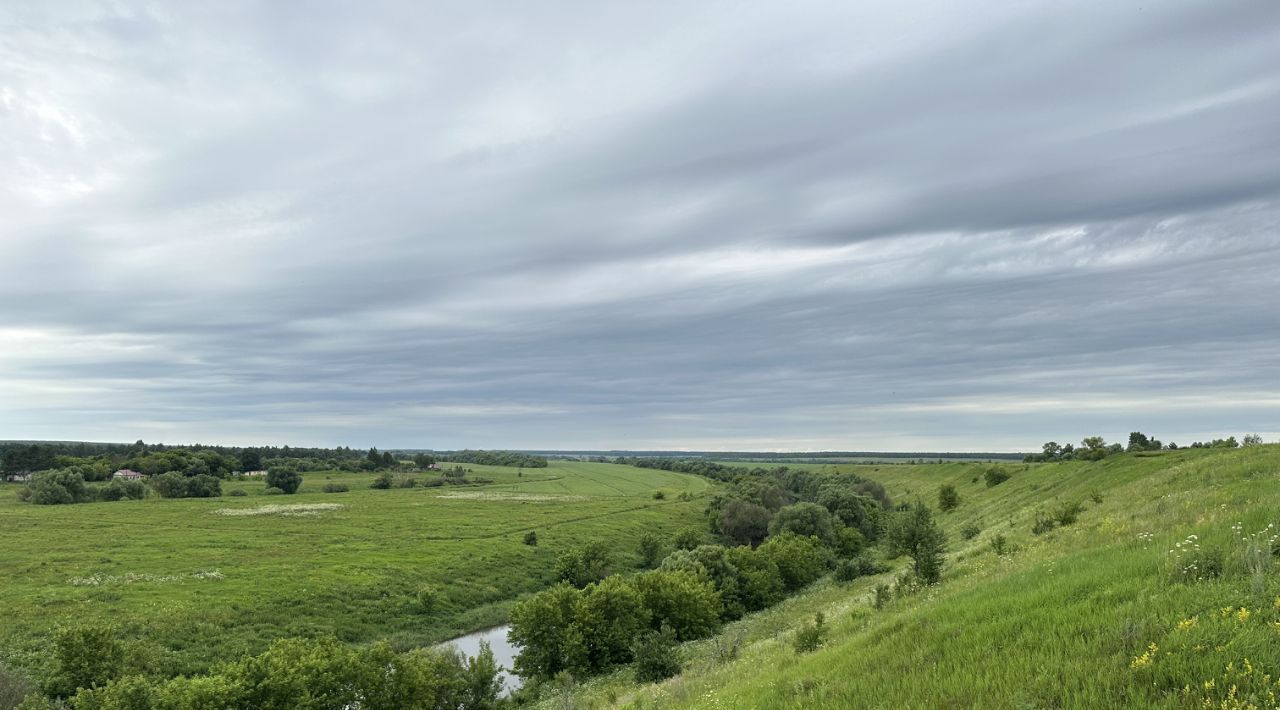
x,y
255,473
127,474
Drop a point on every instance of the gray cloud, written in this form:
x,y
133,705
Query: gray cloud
x,y
820,226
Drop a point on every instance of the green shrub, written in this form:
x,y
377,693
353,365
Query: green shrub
x,y
85,657
384,481
335,488
273,491
583,565
655,656
57,488
687,539
1043,523
914,532
531,538
14,687
999,545
286,479
800,560
995,475
810,636
659,495
849,570
237,493
805,520
1067,513
970,531
686,602
948,498
406,482
650,548
427,599
123,490
882,596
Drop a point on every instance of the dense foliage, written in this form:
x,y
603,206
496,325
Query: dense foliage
x,y
494,458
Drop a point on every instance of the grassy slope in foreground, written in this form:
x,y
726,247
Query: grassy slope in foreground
x,y
354,570
1068,620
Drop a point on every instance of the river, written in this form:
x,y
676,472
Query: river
x,y
504,652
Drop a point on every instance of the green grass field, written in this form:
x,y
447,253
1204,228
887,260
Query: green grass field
x,y
1087,616
198,580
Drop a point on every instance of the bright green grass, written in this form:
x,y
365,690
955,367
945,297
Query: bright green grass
x,y
354,571
1063,622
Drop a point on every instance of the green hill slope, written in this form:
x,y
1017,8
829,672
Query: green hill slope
x,y
1162,593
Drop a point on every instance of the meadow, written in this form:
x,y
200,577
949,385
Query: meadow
x,y
189,582
1124,607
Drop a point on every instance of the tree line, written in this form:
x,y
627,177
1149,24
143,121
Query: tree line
x,y
1095,448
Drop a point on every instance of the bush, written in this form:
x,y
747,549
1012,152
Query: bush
x,y
583,565
1043,523
687,539
655,656
881,596
286,479
915,533
849,570
383,482
531,538
995,476
810,636
686,602
970,531
123,490
237,493
805,520
743,522
948,499
273,491
849,542
58,488
84,657
406,482
659,495
176,485
14,687
335,488
999,545
800,560
650,548
427,599
1067,513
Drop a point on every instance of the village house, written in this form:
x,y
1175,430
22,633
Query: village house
x,y
126,474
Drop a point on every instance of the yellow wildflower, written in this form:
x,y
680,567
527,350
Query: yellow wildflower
x,y
1146,658
1188,624
1242,615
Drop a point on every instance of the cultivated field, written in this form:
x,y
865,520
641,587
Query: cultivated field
x,y
198,580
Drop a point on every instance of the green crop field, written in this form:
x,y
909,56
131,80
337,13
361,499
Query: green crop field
x,y
1102,613
194,581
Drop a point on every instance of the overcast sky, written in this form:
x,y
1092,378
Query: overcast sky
x,y
702,225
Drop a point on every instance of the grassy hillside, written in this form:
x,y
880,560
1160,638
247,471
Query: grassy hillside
x,y
197,580
1105,612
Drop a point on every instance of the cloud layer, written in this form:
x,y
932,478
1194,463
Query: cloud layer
x,y
826,225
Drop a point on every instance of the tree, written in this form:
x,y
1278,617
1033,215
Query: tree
x,y
423,461
531,538
687,603
800,560
805,520
743,522
1138,441
607,617
85,657
687,539
948,498
650,548
760,582
915,533
542,627
1093,448
1051,450
285,479
655,656
58,488
853,508
583,565
250,460
1252,440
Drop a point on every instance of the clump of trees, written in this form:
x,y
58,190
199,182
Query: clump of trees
x,y
494,458
286,479
1095,448
313,673
176,485
67,486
